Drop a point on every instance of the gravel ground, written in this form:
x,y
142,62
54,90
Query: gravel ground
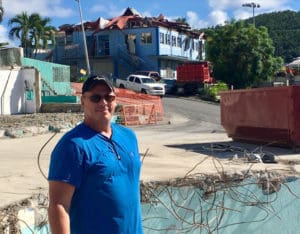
x,y
32,124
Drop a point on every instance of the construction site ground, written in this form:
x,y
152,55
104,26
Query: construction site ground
x,y
166,153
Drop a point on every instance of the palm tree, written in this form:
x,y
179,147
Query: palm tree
x,y
33,31
41,33
20,30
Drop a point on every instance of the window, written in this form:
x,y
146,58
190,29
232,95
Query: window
x,y
146,38
103,45
60,41
131,78
89,41
178,41
69,38
131,42
173,41
168,42
197,46
162,38
60,74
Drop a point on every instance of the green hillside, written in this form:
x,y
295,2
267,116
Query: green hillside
x,y
284,29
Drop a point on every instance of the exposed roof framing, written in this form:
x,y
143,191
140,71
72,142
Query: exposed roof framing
x,y
131,19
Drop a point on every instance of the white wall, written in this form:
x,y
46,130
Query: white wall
x,y
18,92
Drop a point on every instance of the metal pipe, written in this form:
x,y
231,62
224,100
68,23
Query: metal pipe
x,y
84,40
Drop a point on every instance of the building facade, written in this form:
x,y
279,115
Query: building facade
x,y
128,43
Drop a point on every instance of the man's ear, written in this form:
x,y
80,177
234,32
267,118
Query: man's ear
x,y
82,103
82,100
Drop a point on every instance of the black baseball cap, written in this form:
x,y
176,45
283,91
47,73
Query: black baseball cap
x,y
96,79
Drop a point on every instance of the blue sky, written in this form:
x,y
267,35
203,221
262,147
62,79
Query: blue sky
x,y
199,13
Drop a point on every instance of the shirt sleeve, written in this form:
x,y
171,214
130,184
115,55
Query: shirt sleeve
x,y
66,163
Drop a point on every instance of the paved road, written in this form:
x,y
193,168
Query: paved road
x,y
194,109
190,115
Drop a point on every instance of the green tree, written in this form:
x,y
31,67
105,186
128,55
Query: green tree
x,y
32,30
181,20
41,33
284,29
242,56
20,30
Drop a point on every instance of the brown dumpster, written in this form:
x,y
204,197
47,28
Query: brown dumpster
x,y
263,115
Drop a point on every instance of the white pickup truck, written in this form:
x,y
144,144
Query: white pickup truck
x,y
143,84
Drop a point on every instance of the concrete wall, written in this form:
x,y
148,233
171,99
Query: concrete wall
x,y
55,77
19,91
238,208
243,207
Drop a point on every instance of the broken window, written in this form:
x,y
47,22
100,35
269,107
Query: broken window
x,y
146,38
131,42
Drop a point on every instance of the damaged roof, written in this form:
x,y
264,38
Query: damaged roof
x,y
129,19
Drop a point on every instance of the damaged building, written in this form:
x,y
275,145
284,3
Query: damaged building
x,y
128,43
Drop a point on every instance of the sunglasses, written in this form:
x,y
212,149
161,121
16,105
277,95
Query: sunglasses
x,y
97,98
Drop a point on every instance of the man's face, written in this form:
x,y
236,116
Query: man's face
x,y
98,104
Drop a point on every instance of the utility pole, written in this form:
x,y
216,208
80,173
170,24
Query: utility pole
x,y
84,40
252,5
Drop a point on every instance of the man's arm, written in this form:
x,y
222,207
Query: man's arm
x,y
60,196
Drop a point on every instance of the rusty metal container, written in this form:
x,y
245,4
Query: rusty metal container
x,y
262,115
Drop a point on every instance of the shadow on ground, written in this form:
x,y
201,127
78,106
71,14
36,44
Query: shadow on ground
x,y
229,150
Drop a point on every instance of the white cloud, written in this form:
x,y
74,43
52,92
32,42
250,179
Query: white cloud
x,y
242,14
3,31
218,17
240,11
4,37
45,8
194,21
217,5
237,11
111,10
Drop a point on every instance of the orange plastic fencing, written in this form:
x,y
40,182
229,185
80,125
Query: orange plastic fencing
x,y
138,108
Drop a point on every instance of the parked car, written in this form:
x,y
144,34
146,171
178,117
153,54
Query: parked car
x,y
153,74
143,84
170,85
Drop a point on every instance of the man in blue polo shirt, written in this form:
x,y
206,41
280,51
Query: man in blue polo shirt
x,y
95,170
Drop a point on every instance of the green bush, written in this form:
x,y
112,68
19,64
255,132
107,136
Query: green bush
x,y
211,91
